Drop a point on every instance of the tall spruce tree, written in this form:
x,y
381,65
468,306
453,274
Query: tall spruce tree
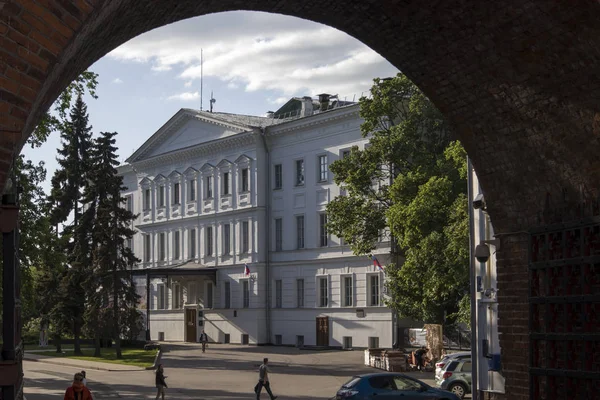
x,y
112,258
68,183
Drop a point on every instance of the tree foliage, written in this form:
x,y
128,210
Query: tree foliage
x,y
411,182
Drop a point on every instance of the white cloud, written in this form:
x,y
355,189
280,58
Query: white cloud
x,y
278,101
259,51
188,84
185,96
117,80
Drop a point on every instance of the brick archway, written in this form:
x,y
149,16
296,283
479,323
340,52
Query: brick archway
x,y
518,81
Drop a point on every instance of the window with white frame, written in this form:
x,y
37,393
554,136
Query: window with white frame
x,y
323,237
209,295
299,172
192,247
227,294
374,297
208,241
245,293
162,253
245,179
347,291
299,231
176,245
323,168
192,189
176,296
191,295
323,291
299,293
129,243
147,248
176,193
208,187
226,184
161,196
245,237
161,296
147,199
278,234
278,293
129,203
278,173
226,239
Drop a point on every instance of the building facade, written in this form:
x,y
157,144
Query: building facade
x,y
217,192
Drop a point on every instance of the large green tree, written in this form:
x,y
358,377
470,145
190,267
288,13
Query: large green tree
x,y
410,182
112,259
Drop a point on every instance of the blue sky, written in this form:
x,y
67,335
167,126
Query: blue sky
x,y
253,63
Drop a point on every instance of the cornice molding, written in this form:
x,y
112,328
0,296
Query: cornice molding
x,y
313,120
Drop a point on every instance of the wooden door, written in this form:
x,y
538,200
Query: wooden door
x,y
322,331
190,325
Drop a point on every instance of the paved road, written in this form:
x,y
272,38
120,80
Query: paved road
x,y
223,372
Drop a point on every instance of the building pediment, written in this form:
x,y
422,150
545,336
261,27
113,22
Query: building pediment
x,y
207,167
175,175
190,171
243,159
145,182
160,178
224,164
188,128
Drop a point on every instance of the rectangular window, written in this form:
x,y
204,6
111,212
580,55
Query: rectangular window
x,y
374,290
323,293
245,294
278,176
300,231
227,294
278,293
192,186
176,296
209,241
208,193
129,203
278,234
347,342
147,199
323,169
299,172
345,154
245,180
226,239
209,295
348,291
245,237
162,254
323,230
147,248
176,245
300,293
192,243
373,342
176,193
225,183
129,243
160,297
161,196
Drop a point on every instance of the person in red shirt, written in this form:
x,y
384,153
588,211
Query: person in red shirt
x,y
77,391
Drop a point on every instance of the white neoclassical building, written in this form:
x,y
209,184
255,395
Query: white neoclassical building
x,y
215,192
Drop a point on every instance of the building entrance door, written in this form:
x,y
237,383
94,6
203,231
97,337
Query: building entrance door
x,y
190,325
322,331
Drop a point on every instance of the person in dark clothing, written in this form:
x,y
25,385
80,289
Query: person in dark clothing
x,y
161,385
419,355
263,380
203,340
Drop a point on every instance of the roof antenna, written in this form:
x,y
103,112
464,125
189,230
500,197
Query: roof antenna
x,y
212,100
201,75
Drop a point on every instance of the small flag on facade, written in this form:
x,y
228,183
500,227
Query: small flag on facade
x,y
246,270
376,263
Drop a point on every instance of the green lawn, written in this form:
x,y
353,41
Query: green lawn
x,y
131,356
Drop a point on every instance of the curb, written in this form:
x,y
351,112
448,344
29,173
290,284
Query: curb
x,y
156,360
86,367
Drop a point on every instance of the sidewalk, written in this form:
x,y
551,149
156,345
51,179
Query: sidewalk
x,y
83,364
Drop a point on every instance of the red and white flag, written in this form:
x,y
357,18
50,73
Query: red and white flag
x,y
246,270
376,263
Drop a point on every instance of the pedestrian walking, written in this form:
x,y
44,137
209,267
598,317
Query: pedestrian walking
x,y
161,385
419,356
77,391
203,340
263,380
84,381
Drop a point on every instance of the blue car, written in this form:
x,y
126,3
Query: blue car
x,y
390,386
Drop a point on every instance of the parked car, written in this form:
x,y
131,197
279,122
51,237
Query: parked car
x,y
390,386
439,366
456,377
